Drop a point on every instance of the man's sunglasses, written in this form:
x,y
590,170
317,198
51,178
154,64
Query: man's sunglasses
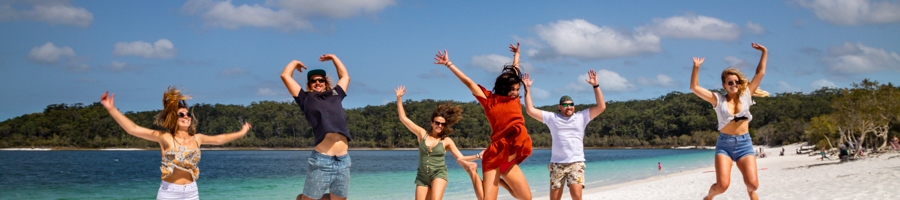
x,y
567,104
188,114
734,82
320,80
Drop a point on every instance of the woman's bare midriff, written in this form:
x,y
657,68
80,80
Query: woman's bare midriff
x,y
179,177
736,127
334,144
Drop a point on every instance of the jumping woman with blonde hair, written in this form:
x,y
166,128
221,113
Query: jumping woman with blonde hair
x,y
510,143
733,112
179,146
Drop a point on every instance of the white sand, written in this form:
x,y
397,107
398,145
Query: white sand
x,y
780,177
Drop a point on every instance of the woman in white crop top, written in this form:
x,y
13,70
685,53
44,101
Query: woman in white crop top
x,y
733,112
179,146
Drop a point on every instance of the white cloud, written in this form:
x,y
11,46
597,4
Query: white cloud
x,y
494,63
755,28
539,94
822,83
693,26
49,54
857,58
608,81
786,87
735,62
50,12
265,91
232,72
581,39
116,66
853,12
279,14
162,48
661,81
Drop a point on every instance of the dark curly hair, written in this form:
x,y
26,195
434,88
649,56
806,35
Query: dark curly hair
x,y
508,77
450,113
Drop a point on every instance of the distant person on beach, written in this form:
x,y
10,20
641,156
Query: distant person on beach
x,y
567,131
328,166
823,154
844,154
894,143
782,152
431,179
733,112
179,146
660,165
510,143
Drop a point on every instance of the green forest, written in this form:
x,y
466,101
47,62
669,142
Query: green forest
x,y
674,119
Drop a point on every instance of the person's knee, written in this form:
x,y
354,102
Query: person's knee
x,y
752,186
721,186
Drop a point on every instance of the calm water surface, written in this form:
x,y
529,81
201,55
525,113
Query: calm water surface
x,y
280,174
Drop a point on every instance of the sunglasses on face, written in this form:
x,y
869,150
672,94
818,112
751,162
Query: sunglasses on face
x,y
183,114
567,104
440,124
317,80
734,82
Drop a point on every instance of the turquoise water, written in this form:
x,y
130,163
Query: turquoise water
x,y
280,174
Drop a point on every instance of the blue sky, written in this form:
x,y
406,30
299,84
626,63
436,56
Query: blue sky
x,y
232,52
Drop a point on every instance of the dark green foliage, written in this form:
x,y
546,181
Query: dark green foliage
x,y
675,119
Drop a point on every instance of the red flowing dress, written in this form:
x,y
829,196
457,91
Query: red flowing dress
x,y
508,134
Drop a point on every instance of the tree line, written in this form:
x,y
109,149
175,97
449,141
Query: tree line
x,y
674,119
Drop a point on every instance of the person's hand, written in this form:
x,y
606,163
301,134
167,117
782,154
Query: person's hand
x,y
698,61
592,78
400,90
327,57
527,81
759,47
246,127
442,58
297,65
514,49
468,166
107,100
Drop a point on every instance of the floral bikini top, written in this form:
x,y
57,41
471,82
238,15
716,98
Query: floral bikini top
x,y
182,158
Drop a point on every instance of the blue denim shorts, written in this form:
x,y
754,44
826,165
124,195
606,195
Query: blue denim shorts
x,y
735,146
327,173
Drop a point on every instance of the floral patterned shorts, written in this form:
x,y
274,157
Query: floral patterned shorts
x,y
560,173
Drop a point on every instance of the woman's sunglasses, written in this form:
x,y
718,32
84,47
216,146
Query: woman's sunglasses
x,y
183,114
319,80
440,124
734,82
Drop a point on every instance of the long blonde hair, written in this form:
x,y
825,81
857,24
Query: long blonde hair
x,y
327,84
744,82
168,117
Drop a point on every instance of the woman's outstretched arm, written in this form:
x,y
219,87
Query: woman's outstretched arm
x,y
598,95
343,77
221,139
287,76
529,105
515,50
415,129
701,92
129,126
444,59
760,69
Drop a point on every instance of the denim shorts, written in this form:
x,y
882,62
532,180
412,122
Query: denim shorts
x,y
735,146
327,173
174,191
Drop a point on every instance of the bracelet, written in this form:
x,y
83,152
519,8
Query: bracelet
x,y
478,155
448,64
596,86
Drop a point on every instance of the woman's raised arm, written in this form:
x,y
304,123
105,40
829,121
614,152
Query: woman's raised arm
x,y
130,127
415,129
443,59
760,69
701,92
221,139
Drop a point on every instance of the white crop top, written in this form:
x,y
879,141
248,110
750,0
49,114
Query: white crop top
x,y
725,116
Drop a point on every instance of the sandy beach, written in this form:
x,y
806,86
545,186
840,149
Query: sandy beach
x,y
791,176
